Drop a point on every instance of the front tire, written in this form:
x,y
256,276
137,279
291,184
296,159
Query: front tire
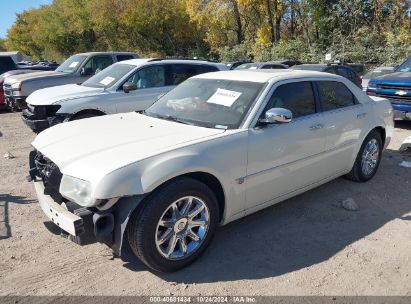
x,y
174,225
368,158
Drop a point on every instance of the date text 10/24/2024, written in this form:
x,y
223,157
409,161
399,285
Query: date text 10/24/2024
x,y
202,299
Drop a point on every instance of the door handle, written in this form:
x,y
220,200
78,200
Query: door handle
x,y
316,127
361,115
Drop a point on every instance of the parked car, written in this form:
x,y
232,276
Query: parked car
x,y
216,148
338,69
3,104
75,69
397,88
375,73
233,64
359,68
7,64
262,65
126,86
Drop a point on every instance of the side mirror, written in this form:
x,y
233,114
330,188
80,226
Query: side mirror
x,y
277,115
86,71
129,86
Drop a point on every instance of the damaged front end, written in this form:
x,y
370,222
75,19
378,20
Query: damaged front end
x,y
39,118
79,224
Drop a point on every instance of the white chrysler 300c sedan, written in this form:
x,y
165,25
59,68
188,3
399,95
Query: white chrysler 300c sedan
x,y
214,149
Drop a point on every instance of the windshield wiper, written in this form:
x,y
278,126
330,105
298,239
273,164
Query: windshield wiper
x,y
173,118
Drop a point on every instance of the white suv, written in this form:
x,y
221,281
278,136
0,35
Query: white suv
x,y
130,85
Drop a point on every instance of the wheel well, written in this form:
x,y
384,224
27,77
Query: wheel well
x,y
381,131
214,184
88,111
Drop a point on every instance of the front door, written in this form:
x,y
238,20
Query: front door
x,y
150,82
285,157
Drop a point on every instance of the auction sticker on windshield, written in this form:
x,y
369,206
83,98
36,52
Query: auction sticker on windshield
x,y
224,97
107,80
73,64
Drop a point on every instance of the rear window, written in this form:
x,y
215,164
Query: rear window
x,y
335,95
181,72
124,57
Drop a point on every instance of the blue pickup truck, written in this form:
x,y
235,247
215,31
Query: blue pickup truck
x,y
397,88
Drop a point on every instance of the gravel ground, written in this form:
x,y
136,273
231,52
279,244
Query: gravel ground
x,y
308,245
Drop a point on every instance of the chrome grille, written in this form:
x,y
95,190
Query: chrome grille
x,y
394,87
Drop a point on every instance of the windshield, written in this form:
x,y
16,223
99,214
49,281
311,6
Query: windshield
x,y
109,76
71,64
245,66
405,66
212,103
377,72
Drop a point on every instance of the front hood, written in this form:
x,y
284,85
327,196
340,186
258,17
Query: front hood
x,y
57,94
398,78
35,75
93,147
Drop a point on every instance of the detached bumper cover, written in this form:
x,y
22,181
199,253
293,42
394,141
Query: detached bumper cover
x,y
66,220
39,123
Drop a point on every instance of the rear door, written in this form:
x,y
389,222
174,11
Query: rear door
x,y
344,119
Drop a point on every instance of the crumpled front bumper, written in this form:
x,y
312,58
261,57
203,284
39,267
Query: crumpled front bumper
x,y
62,217
74,221
38,124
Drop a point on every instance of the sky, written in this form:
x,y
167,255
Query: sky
x,y
8,10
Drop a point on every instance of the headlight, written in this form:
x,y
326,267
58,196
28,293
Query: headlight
x,y
76,190
16,86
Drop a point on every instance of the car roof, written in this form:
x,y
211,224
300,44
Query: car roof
x,y
107,53
143,61
263,76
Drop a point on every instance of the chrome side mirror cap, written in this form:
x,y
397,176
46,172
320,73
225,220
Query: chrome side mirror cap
x,y
277,115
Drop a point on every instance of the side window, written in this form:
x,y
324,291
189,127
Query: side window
x,y
99,63
124,57
331,70
181,72
298,97
335,95
206,69
272,66
149,77
343,72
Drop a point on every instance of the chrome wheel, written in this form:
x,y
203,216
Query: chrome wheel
x,y
182,228
370,157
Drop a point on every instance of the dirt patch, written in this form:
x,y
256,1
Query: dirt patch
x,y
308,245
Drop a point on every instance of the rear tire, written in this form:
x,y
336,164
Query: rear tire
x,y
368,159
166,233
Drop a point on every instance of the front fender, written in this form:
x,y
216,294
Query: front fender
x,y
225,158
145,176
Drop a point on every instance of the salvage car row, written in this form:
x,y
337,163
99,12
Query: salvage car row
x,y
191,146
